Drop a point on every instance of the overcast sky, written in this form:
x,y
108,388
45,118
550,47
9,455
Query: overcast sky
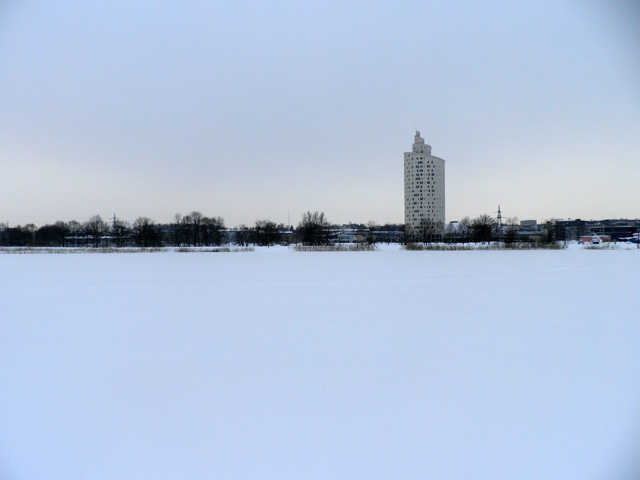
x,y
263,109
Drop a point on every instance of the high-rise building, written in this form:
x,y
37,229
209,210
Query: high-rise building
x,y
423,190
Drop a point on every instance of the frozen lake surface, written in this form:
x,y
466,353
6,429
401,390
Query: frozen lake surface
x,y
283,365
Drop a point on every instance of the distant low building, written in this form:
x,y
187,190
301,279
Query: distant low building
x,y
614,229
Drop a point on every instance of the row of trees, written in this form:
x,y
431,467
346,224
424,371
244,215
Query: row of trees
x,y
196,229
193,229
265,233
480,229
486,229
483,228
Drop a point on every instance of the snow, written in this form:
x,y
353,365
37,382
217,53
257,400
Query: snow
x,y
346,365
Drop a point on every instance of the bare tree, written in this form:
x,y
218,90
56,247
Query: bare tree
x,y
242,235
76,231
96,228
484,228
466,229
430,230
52,235
453,232
193,222
314,229
212,231
120,231
553,231
370,237
510,231
266,233
17,236
179,230
145,232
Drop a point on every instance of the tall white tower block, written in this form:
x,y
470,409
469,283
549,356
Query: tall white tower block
x,y
423,188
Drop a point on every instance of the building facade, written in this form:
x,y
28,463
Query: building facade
x,y
423,190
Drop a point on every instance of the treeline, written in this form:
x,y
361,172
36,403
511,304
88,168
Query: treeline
x,y
196,229
193,229
485,229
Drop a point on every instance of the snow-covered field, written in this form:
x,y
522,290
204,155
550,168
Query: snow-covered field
x,y
282,365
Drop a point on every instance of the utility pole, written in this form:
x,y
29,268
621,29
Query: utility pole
x,y
113,229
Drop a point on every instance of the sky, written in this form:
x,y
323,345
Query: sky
x,y
267,109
